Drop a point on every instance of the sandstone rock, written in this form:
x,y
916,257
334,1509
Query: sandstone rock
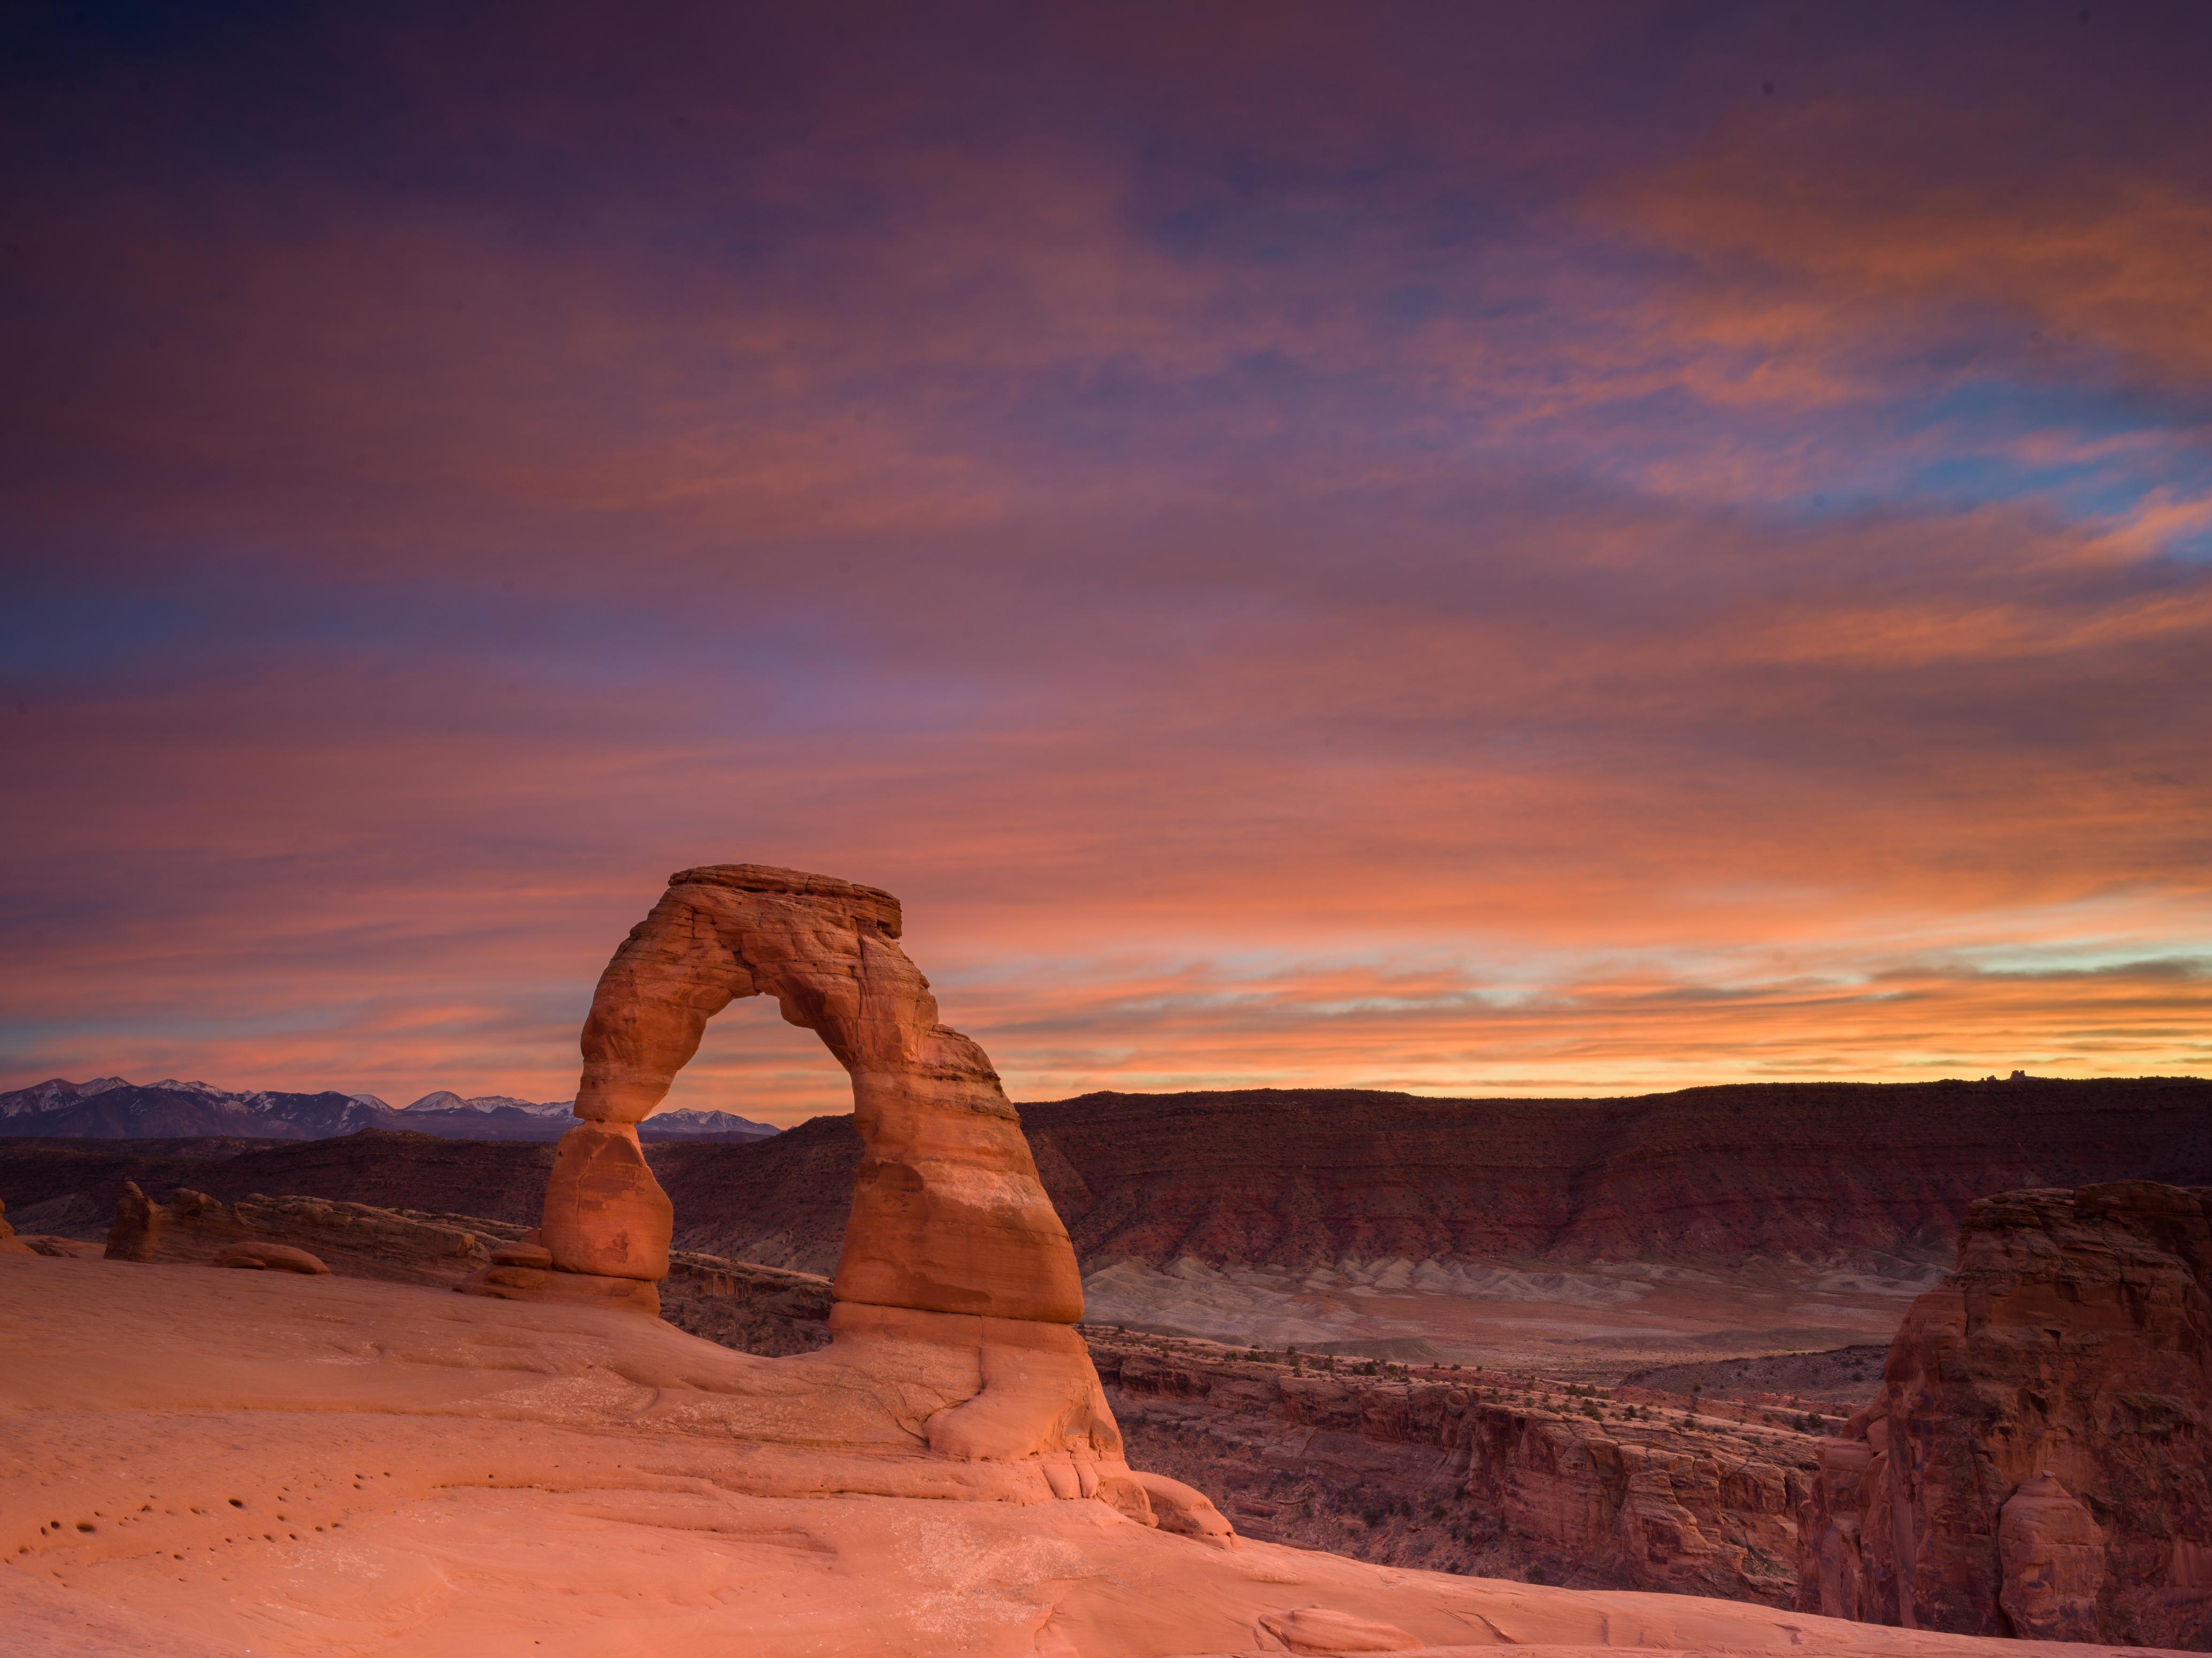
x,y
2039,1461
957,1288
1185,1509
1425,1472
270,1257
1036,1392
206,1463
139,1222
1318,1629
1120,1492
948,1214
2050,1555
579,1289
352,1239
604,1213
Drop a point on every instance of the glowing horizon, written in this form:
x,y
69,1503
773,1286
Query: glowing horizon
x,y
1554,555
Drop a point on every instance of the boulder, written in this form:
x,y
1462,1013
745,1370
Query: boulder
x,y
139,1224
270,1257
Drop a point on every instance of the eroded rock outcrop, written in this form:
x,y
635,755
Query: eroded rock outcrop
x,y
2039,1462
948,1215
9,1243
209,1463
286,1232
955,1272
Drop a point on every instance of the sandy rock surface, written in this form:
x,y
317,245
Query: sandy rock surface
x,y
198,1462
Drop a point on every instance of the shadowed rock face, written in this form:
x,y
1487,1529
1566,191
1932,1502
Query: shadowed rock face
x,y
2039,1461
948,1215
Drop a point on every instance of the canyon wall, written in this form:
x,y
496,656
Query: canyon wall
x,y
1484,1473
2039,1462
1307,1177
1300,1177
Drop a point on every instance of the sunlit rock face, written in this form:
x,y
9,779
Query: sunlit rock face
x,y
954,1261
948,1215
2040,1460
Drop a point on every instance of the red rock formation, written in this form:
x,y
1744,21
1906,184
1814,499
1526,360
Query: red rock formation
x,y
1305,1177
947,1213
955,1268
2040,1460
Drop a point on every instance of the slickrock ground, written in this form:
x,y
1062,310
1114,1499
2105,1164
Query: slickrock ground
x,y
1485,1472
205,1463
2039,1461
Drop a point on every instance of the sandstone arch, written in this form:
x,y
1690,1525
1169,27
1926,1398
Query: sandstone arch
x,y
948,1214
956,1292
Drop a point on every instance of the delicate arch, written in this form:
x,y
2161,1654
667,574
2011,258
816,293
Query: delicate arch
x,y
948,1214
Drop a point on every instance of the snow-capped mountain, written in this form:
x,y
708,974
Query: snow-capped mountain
x,y
446,1099
109,1108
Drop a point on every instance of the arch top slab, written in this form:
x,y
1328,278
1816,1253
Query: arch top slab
x,y
869,904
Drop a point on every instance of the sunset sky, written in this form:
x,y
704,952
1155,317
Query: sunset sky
x,y
1479,548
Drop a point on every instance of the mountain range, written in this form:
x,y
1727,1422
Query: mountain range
x,y
108,1108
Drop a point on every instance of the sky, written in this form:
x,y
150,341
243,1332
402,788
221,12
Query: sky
x,y
1473,548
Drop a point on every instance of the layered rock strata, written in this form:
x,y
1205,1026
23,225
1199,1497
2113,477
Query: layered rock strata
x,y
1473,1474
2039,1462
